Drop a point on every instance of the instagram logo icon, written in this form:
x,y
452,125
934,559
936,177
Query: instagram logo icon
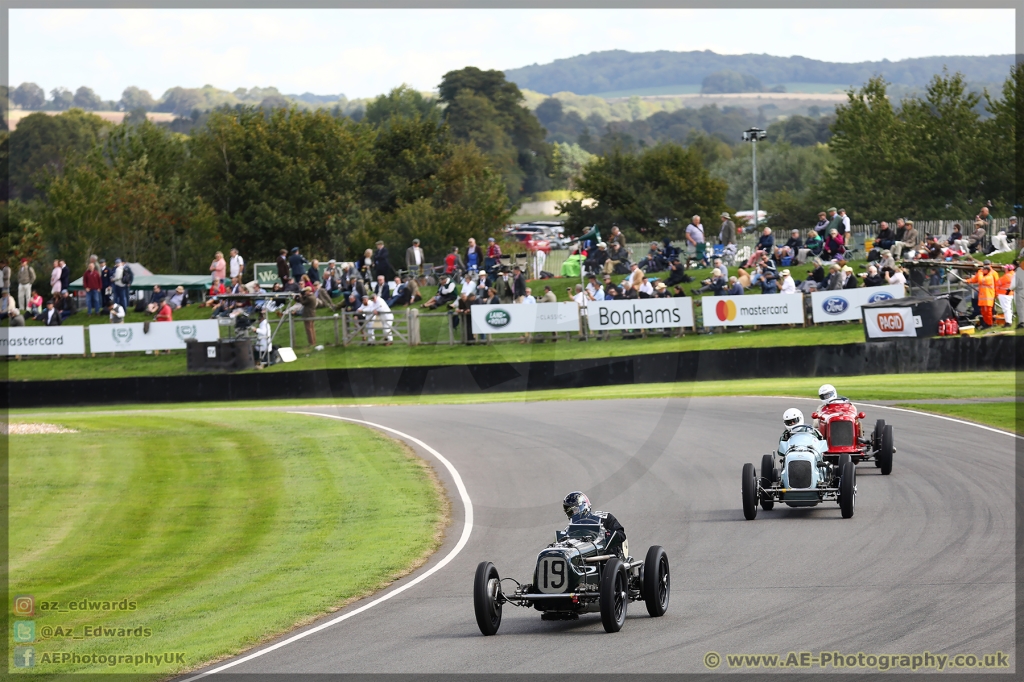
x,y
24,605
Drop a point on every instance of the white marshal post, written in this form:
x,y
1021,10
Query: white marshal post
x,y
753,136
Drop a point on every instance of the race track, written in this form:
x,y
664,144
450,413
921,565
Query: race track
x,y
926,563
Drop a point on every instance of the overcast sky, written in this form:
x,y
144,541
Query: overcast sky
x,y
366,52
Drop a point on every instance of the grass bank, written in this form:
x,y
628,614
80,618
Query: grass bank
x,y
1004,416
224,529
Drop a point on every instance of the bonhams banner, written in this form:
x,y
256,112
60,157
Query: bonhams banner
x,y
116,338
69,340
522,318
844,304
640,313
757,309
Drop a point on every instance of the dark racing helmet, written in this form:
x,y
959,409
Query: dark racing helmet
x,y
575,504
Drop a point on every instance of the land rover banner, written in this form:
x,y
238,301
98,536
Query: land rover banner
x,y
844,304
757,309
640,313
69,340
117,338
520,318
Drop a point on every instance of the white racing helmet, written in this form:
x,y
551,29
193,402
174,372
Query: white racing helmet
x,y
792,417
827,392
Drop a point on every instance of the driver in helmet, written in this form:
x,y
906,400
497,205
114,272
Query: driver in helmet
x,y
578,510
828,395
792,419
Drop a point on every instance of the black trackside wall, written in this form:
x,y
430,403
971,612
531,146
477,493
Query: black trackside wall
x,y
905,356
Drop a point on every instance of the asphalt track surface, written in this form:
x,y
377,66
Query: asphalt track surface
x,y
925,564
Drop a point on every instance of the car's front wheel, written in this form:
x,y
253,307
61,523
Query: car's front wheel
x,y
614,595
847,489
769,474
749,490
876,437
887,450
486,587
656,581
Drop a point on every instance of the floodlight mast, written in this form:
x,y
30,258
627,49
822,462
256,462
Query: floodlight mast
x,y
753,136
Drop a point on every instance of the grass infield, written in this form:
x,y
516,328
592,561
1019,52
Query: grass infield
x,y
223,528
1003,416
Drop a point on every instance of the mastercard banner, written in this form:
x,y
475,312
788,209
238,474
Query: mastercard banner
x,y
735,311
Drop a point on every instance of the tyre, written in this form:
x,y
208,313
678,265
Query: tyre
x,y
614,595
768,473
885,453
843,459
485,598
749,492
656,581
847,492
876,440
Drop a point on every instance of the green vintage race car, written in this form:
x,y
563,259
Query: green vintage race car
x,y
586,570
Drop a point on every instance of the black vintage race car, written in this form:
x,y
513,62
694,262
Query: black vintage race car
x,y
586,570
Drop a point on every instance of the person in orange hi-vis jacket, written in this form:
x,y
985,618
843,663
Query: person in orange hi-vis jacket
x,y
986,281
1003,295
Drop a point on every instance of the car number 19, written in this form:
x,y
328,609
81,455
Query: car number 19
x,y
551,576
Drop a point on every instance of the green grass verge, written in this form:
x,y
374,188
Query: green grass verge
x,y
863,388
224,528
999,415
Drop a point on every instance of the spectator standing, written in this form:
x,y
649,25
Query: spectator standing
x,y
1017,286
93,283
986,281
539,259
845,220
5,274
695,236
452,262
474,256
376,307
503,286
308,302
381,264
493,258
297,264
283,270
55,278
1004,285
822,225
313,272
518,285
26,278
727,235
414,259
219,267
835,222
236,265
120,283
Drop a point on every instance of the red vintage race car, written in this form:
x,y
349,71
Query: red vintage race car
x,y
840,422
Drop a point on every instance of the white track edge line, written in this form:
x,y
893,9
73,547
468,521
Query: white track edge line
x,y
911,411
467,528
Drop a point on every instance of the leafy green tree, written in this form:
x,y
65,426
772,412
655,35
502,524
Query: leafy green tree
x,y
41,143
1004,142
180,101
730,81
135,98
484,108
86,99
570,160
649,194
61,99
29,96
801,131
780,167
402,102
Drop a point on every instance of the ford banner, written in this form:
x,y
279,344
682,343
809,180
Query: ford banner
x,y
844,304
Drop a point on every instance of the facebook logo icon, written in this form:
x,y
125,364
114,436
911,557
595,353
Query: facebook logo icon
x,y
24,656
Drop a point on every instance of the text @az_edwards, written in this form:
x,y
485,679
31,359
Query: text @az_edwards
x,y
881,662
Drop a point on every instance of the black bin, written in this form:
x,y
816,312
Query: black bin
x,y
224,355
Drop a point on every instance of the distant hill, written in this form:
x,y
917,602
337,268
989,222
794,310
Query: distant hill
x,y
620,71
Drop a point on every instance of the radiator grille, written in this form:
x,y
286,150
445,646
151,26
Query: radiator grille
x,y
840,434
800,474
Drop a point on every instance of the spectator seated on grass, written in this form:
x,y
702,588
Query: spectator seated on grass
x,y
595,292
765,245
788,284
677,273
116,313
646,289
155,299
791,248
217,288
401,292
716,284
835,248
661,291
654,261
735,288
445,294
597,258
720,264
887,263
813,246
164,312
872,278
1000,243
618,260
669,252
763,268
35,305
744,278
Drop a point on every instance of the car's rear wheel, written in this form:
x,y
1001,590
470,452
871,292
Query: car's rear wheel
x,y
887,450
485,598
877,439
847,489
656,581
614,595
768,473
749,492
